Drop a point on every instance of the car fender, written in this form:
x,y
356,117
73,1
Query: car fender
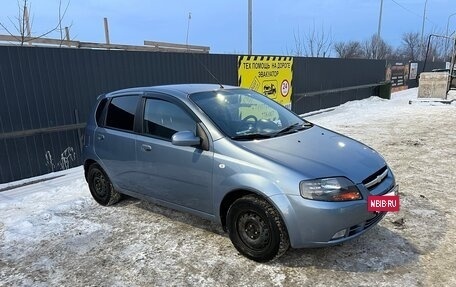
x,y
259,185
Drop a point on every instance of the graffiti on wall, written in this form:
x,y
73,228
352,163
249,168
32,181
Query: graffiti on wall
x,y
66,157
49,161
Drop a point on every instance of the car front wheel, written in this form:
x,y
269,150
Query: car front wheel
x,y
256,229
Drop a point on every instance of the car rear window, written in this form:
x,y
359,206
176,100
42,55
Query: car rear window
x,y
121,112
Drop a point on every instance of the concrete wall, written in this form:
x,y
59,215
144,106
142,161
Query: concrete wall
x,y
433,85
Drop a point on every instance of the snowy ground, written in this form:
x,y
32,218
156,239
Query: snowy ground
x,y
53,233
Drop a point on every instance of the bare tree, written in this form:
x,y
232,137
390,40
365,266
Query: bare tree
x,y
312,44
410,46
348,50
298,49
22,26
376,48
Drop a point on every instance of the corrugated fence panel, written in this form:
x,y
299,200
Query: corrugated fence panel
x,y
311,75
318,74
48,87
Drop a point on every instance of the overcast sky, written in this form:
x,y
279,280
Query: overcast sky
x,y
222,24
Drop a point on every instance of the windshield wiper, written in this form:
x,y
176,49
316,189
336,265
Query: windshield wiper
x,y
290,129
253,136
293,128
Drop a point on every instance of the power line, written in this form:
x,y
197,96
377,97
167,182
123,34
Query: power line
x,y
406,9
412,12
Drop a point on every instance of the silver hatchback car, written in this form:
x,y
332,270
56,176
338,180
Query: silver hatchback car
x,y
231,155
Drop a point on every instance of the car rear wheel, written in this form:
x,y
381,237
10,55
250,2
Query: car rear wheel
x,y
101,187
256,229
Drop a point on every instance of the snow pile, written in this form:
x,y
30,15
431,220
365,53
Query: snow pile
x,y
356,112
30,212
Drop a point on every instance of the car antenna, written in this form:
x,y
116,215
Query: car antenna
x,y
209,71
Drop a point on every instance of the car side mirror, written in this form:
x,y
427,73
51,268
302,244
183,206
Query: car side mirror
x,y
185,138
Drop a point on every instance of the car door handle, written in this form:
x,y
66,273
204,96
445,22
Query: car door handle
x,y
146,147
100,137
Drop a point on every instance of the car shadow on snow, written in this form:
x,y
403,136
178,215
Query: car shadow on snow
x,y
174,215
378,249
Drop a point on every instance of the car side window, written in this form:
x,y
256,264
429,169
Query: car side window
x,y
121,112
163,119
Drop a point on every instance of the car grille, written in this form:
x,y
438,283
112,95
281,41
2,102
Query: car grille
x,y
366,224
375,179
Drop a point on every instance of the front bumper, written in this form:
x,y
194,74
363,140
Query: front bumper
x,y
313,223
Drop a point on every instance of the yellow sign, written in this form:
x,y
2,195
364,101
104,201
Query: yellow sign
x,y
267,75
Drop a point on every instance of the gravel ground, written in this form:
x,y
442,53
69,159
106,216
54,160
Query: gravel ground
x,y
53,233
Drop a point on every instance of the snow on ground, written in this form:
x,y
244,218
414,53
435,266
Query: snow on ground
x,y
53,233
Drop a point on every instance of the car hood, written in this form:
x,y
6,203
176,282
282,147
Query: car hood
x,y
317,152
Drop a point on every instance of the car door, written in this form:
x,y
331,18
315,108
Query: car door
x,y
180,175
115,140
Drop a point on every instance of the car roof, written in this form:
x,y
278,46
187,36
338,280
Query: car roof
x,y
180,90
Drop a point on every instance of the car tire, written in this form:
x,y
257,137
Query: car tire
x,y
101,187
256,229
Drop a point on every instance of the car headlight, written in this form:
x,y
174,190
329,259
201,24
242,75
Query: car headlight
x,y
329,189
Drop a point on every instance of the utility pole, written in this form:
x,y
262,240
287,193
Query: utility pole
x,y
379,28
188,28
422,28
250,27
380,19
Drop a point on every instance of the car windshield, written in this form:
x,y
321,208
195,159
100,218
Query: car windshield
x,y
243,114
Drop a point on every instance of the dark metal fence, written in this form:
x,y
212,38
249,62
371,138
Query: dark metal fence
x,y
46,94
320,83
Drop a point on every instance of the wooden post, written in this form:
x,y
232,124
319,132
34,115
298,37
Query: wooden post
x,y
67,36
27,23
106,30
